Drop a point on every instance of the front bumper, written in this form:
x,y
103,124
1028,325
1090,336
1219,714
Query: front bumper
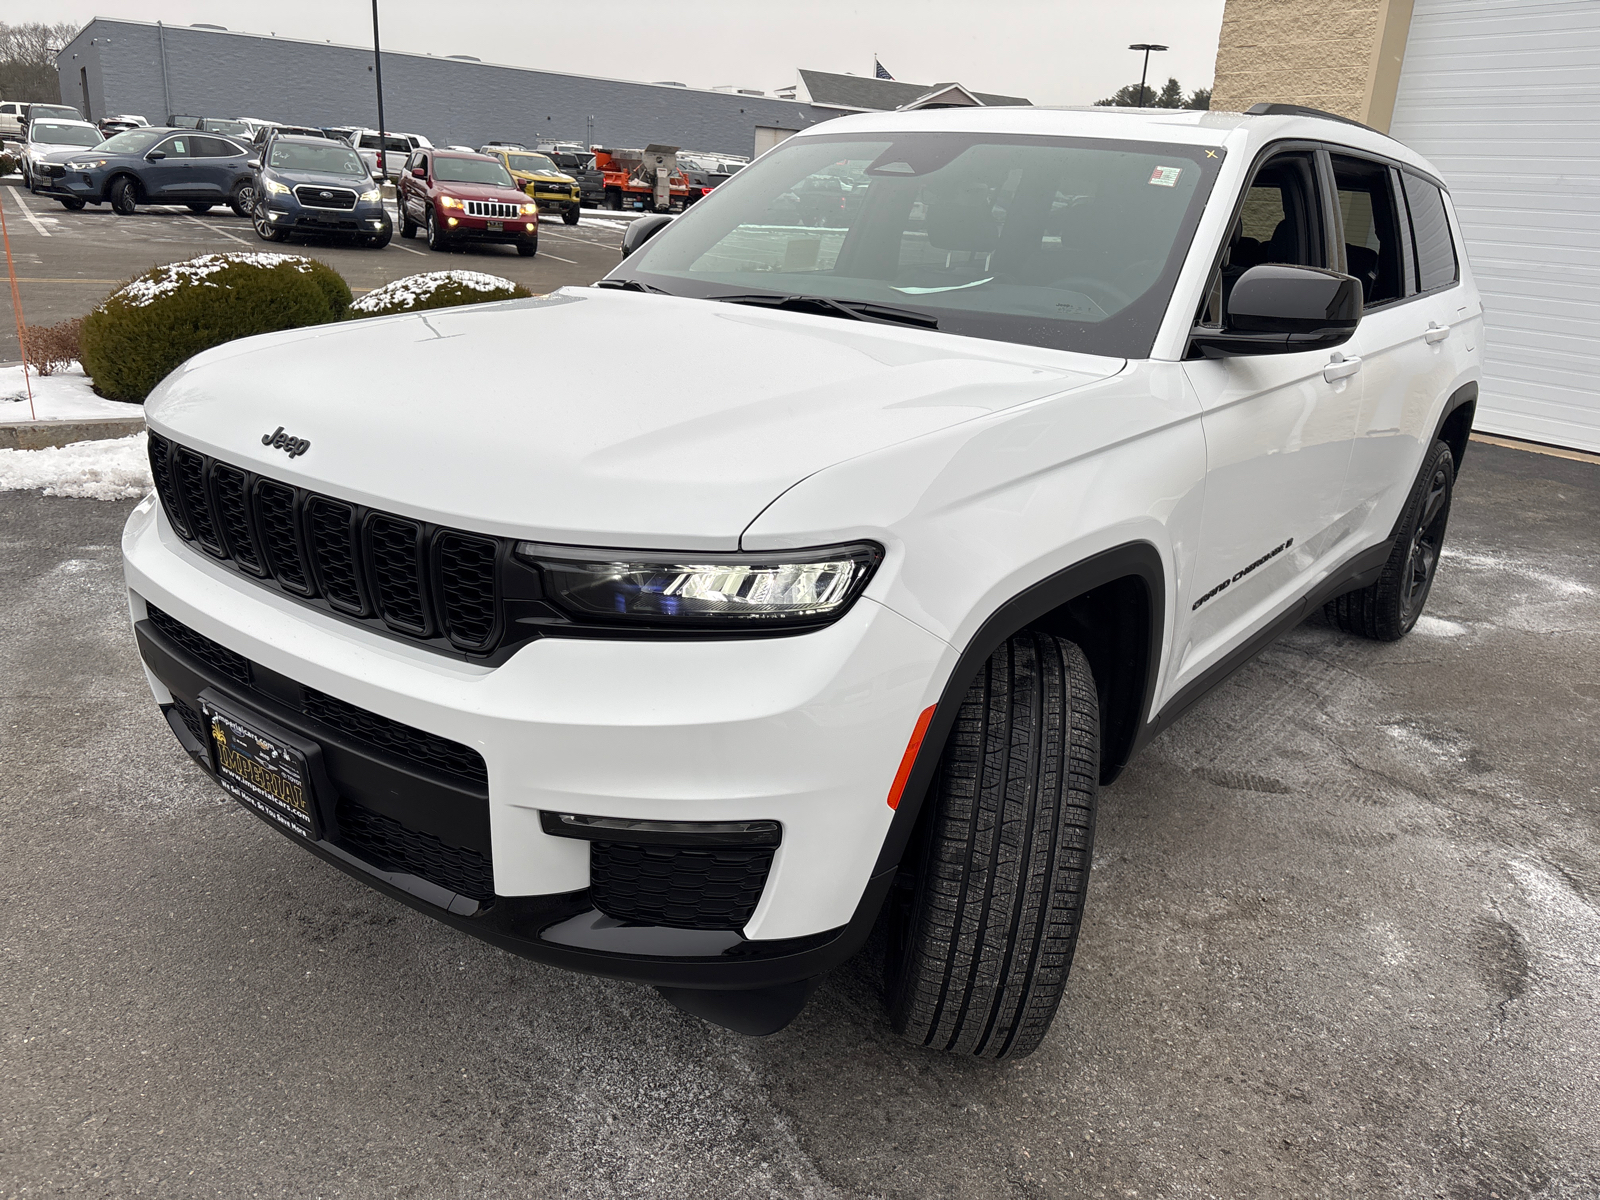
x,y
366,219
476,229
806,731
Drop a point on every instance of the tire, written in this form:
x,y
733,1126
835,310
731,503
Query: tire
x,y
72,203
378,240
1388,610
408,227
263,227
199,210
570,216
985,916
614,199
124,200
528,249
243,200
436,240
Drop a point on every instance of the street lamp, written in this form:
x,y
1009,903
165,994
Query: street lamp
x,y
1145,46
377,71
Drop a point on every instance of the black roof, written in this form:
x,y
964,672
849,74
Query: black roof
x,y
879,95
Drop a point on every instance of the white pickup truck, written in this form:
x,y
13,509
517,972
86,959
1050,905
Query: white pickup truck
x,y
397,148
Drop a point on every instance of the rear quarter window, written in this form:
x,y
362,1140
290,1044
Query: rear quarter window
x,y
1437,264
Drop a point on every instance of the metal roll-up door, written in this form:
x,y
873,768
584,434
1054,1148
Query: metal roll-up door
x,y
1503,96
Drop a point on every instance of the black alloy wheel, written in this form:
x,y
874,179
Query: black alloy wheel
x,y
265,230
124,199
1389,609
243,200
984,917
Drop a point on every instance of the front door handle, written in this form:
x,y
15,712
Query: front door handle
x,y
1340,367
1436,333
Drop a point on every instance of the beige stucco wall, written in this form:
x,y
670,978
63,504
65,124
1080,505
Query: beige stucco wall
x,y
1342,56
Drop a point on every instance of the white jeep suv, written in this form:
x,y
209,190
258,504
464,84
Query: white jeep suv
x,y
1035,430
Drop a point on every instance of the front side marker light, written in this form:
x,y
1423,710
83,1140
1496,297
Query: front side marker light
x,y
793,587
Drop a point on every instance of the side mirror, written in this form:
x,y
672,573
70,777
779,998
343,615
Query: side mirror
x,y
642,230
1279,309
155,155
420,172
254,164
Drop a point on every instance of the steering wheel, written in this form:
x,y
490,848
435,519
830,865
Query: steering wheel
x,y
1096,289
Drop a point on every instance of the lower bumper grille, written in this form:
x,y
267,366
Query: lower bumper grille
x,y
712,888
391,846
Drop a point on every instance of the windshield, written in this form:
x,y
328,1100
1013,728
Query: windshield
x,y
331,158
64,135
1073,243
39,111
471,170
533,164
134,141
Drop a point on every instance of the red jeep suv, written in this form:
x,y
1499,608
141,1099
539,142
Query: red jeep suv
x,y
457,197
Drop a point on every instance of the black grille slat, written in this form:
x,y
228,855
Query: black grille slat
x,y
394,737
189,474
276,521
194,721
467,589
391,846
712,888
313,196
197,645
331,539
400,576
230,489
394,549
161,472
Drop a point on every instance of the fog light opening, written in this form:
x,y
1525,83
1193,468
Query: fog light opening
x,y
450,220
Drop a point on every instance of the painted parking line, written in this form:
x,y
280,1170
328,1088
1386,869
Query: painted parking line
x,y
214,229
557,257
27,213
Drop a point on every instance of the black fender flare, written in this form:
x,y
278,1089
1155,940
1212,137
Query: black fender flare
x,y
1140,560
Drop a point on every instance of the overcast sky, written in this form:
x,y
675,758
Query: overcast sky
x,y
1051,51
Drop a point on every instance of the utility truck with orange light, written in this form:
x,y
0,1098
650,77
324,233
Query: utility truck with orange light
x,y
695,681
646,179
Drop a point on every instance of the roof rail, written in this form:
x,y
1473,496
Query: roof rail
x,y
1266,109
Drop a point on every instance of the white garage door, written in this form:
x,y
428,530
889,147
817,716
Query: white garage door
x,y
1504,97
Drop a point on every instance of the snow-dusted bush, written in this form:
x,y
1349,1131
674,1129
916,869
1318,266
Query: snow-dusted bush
x,y
150,325
436,289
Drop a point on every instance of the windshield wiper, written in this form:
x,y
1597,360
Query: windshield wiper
x,y
824,306
631,285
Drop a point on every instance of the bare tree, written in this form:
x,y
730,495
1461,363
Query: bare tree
x,y
28,60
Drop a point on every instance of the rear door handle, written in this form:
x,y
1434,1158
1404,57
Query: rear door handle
x,y
1435,333
1340,367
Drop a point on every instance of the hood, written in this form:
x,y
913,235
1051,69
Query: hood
x,y
434,415
355,183
481,191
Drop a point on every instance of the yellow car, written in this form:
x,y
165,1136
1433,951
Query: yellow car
x,y
551,188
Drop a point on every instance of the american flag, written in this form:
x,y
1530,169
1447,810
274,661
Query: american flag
x,y
879,70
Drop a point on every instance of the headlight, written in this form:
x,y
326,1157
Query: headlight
x,y
87,165
450,202
373,194
703,591
274,188
529,209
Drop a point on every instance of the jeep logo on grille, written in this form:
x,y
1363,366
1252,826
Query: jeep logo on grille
x,y
292,446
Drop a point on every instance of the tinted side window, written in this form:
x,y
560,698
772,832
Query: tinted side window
x,y
210,147
1430,234
177,147
1371,228
1280,221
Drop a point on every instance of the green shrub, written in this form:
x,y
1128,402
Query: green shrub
x,y
149,326
436,289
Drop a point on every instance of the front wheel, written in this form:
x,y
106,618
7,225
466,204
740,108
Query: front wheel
x,y
1389,609
436,240
408,227
199,210
72,203
378,240
265,230
985,916
123,198
528,249
570,217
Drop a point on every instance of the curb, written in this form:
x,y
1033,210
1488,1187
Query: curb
x,y
40,435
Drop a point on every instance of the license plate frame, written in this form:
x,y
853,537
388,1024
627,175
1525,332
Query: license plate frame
x,y
262,765
497,226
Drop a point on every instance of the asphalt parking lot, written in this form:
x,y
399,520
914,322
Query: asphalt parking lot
x,y
67,262
1343,939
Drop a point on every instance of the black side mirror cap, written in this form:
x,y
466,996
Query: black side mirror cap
x,y
642,230
1276,308
155,156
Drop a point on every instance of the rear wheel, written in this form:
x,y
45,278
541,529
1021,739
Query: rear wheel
x,y
1389,609
124,199
243,200
72,203
985,918
614,199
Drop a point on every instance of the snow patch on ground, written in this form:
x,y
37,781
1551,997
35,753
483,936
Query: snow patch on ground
x,y
168,279
110,469
64,396
1497,562
413,289
605,223
1439,627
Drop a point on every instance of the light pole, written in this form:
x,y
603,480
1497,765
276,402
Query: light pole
x,y
1145,46
377,71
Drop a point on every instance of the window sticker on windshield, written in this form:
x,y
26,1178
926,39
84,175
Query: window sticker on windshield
x,y
1166,176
